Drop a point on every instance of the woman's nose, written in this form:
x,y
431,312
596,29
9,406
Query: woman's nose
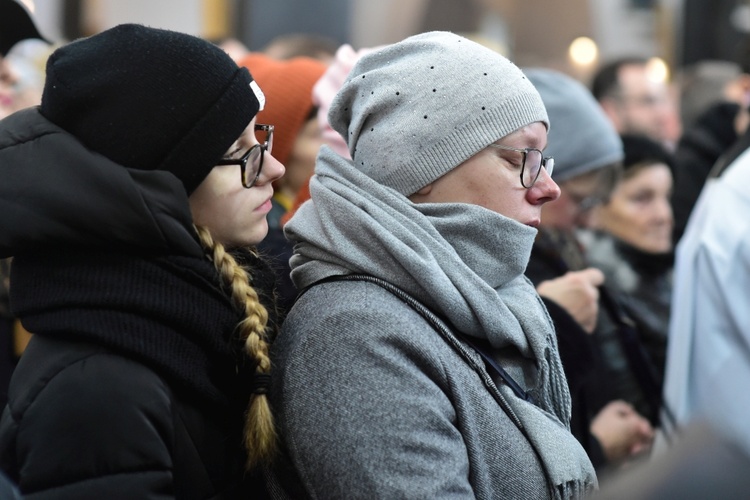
x,y
544,189
272,169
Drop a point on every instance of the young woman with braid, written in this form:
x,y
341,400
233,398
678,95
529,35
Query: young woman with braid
x,y
131,201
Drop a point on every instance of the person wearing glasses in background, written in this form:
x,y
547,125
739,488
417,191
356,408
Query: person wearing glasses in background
x,y
608,402
418,361
131,201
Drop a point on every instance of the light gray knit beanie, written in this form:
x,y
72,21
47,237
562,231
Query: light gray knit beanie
x,y
413,111
583,138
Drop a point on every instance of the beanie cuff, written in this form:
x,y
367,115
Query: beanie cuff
x,y
493,124
604,160
229,116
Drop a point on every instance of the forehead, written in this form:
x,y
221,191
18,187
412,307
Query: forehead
x,y
649,172
636,77
533,135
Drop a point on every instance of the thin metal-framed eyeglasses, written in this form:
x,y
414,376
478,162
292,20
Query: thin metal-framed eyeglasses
x,y
251,163
531,166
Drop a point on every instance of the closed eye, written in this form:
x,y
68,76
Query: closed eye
x,y
514,160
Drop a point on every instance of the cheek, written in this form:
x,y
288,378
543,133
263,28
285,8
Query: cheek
x,y
215,200
619,218
234,221
561,213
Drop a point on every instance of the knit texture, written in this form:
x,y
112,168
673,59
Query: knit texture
x,y
582,138
151,99
409,118
114,301
323,94
288,89
640,150
464,262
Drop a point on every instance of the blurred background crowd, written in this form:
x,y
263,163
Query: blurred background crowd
x,y
671,79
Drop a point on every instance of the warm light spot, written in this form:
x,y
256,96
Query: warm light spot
x,y
657,69
583,51
29,4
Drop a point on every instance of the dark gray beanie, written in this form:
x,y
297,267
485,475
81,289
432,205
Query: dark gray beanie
x,y
413,111
582,138
151,99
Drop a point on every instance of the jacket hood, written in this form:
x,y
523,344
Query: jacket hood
x,y
57,193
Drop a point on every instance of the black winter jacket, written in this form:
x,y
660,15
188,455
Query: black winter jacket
x,y
699,148
87,423
134,384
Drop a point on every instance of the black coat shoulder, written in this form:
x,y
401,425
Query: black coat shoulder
x,y
85,423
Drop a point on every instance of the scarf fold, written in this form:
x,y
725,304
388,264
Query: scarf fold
x,y
462,261
168,312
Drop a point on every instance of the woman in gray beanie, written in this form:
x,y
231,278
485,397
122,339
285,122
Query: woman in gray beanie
x,y
419,362
129,200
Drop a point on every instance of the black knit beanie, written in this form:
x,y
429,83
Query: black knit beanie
x,y
151,99
640,149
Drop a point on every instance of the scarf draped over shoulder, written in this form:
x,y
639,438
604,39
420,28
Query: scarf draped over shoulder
x,y
462,261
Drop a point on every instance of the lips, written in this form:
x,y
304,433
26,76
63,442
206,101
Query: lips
x,y
265,206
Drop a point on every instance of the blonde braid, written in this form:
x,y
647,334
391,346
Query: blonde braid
x,y
260,432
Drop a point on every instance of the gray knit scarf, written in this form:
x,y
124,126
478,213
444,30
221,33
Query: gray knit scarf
x,y
463,261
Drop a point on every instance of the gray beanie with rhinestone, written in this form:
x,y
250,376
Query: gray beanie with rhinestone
x,y
413,111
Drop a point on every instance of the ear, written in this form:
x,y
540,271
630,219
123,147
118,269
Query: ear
x,y
419,195
744,81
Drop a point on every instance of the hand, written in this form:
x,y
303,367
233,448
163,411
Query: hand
x,y
621,431
577,293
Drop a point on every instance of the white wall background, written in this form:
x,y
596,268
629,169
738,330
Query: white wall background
x,y
178,15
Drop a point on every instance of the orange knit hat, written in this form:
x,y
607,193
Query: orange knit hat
x,y
287,86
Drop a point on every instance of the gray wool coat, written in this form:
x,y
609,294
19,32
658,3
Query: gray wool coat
x,y
395,412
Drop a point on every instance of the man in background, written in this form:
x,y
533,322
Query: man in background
x,y
636,101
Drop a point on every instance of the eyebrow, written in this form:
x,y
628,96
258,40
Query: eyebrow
x,y
233,152
509,151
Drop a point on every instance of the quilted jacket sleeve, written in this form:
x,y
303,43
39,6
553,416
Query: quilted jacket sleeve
x,y
100,427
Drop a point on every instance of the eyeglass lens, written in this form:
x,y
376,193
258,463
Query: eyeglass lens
x,y
253,166
253,163
533,162
532,166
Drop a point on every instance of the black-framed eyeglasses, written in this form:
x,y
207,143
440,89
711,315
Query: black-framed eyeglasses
x,y
251,162
531,166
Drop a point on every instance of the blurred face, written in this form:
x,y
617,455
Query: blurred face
x,y
643,105
578,197
639,211
301,162
236,216
491,179
7,88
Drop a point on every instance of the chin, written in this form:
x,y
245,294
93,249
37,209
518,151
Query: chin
x,y
655,248
257,235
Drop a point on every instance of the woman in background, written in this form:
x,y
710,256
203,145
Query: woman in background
x,y
633,241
